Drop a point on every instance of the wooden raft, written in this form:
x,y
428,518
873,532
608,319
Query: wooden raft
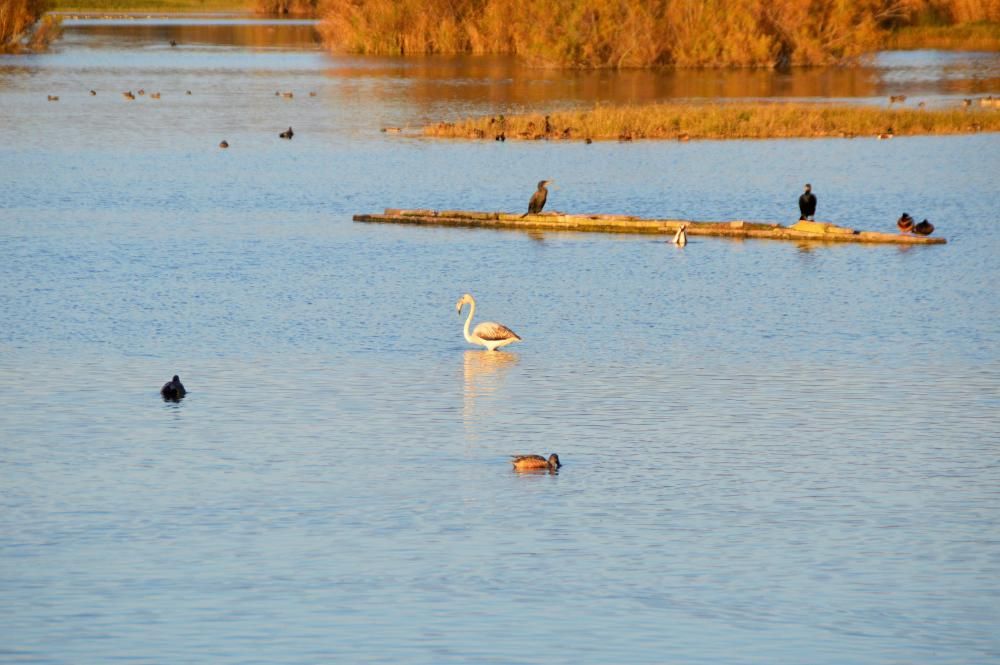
x,y
556,221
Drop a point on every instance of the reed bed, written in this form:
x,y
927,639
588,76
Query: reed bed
x,y
20,29
638,33
722,121
286,7
964,37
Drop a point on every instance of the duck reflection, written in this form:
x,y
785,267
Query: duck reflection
x,y
483,375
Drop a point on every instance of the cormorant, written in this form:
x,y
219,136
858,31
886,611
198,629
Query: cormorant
x,y
807,203
905,222
923,228
173,389
287,134
537,201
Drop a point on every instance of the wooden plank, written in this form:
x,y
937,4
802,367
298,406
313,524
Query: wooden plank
x,y
556,221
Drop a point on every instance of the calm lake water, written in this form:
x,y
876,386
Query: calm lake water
x,y
772,452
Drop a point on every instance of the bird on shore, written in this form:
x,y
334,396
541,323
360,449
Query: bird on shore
x,y
173,42
535,462
538,199
224,144
681,237
287,134
173,389
923,228
488,333
905,222
896,98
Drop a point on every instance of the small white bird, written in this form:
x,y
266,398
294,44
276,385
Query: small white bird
x,y
489,334
681,237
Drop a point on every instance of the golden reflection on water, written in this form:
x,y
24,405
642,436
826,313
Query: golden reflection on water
x,y
483,375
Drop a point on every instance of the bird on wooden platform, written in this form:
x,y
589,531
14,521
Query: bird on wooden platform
x,y
681,237
538,199
905,223
535,462
287,134
173,389
923,228
488,333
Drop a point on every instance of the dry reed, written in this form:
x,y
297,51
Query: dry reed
x,y
17,21
637,33
722,121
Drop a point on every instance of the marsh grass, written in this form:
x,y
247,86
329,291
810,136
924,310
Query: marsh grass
x,y
982,36
722,121
638,33
18,29
165,6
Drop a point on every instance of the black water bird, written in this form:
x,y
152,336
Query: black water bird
x,y
288,134
905,222
923,228
538,199
807,203
173,389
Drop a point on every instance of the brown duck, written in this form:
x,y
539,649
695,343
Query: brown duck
x,y
923,228
535,462
905,223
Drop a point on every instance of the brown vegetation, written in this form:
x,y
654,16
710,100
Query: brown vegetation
x,y
722,121
964,37
17,26
637,33
286,7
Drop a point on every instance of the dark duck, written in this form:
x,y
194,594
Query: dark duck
x,y
173,389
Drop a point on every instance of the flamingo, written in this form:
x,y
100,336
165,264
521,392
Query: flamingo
x,y
489,334
681,237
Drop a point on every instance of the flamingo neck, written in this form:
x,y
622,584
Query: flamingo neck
x,y
468,321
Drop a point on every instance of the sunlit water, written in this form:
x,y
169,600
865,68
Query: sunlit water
x,y
773,453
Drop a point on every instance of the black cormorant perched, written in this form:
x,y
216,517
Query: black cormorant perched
x,y
287,134
173,389
923,228
807,203
905,222
537,201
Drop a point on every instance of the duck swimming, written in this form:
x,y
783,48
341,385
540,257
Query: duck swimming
x,y
923,228
173,389
905,223
287,134
535,462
